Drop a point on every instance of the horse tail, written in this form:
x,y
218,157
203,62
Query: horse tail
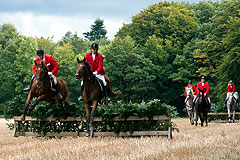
x,y
114,94
64,89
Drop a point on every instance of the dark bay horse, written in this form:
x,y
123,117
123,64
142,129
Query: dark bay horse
x,y
201,108
41,88
92,93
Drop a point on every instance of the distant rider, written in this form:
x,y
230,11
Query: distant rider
x,y
231,88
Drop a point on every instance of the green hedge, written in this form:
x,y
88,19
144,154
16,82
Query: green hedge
x,y
43,110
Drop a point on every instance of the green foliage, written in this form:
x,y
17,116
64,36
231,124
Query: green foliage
x,y
166,20
97,32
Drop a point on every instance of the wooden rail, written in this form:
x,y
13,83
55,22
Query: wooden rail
x,y
96,119
222,114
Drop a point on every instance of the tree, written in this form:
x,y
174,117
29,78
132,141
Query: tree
x,y
166,20
79,46
9,37
129,70
97,32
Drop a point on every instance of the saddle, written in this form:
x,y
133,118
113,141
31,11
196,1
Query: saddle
x,y
100,82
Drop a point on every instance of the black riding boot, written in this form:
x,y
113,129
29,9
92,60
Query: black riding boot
x,y
58,93
29,87
80,97
107,99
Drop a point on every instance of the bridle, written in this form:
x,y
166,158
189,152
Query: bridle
x,y
40,83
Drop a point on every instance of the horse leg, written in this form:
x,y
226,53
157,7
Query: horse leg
x,y
229,115
201,118
196,117
40,98
192,118
189,114
87,109
26,106
92,116
206,119
233,117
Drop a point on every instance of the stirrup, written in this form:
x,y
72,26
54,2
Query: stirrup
x,y
26,89
80,98
107,99
59,96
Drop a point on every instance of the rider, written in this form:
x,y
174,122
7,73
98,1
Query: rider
x,y
53,67
190,85
201,85
231,88
95,60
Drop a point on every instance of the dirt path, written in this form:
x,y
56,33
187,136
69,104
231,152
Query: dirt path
x,y
217,141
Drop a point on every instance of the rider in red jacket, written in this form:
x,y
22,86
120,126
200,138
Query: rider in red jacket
x,y
190,85
231,88
53,67
95,60
201,85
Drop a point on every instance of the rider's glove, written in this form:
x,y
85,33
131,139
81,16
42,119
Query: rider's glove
x,y
49,73
205,94
95,72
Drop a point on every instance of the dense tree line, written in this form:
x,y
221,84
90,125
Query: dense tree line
x,y
152,57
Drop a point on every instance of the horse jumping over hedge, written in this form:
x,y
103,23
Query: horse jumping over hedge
x,y
201,108
41,88
92,93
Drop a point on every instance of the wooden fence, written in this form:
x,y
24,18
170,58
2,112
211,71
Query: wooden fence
x,y
223,114
96,119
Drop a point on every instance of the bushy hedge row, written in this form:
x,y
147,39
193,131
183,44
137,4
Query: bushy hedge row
x,y
43,110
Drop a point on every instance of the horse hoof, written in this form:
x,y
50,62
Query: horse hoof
x,y
23,117
91,134
87,135
192,123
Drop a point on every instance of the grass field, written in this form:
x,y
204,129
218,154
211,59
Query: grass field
x,y
217,141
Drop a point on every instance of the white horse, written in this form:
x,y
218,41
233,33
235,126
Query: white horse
x,y
231,105
189,104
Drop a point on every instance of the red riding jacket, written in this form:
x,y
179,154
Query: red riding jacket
x,y
193,88
97,63
200,86
50,62
231,88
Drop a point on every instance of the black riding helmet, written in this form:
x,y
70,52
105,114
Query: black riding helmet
x,y
190,82
94,46
40,52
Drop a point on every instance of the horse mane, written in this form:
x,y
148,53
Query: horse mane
x,y
88,66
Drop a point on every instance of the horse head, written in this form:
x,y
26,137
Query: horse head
x,y
201,94
189,92
83,69
41,71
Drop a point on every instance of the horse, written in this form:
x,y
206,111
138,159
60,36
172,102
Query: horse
x,y
189,104
41,88
92,93
231,105
201,108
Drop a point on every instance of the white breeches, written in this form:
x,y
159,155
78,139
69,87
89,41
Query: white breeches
x,y
53,77
100,77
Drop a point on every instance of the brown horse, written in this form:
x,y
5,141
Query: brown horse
x,y
41,88
92,93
